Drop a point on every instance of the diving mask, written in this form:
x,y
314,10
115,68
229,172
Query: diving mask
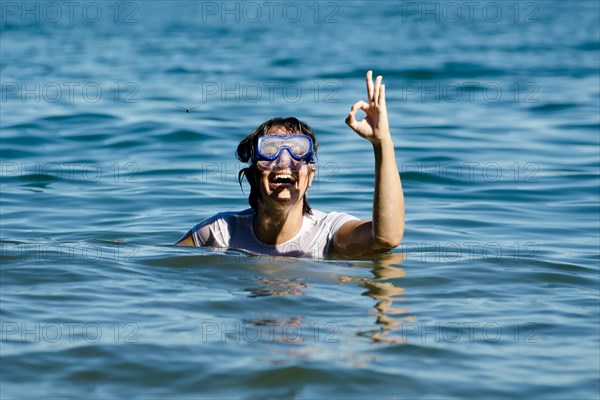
x,y
280,151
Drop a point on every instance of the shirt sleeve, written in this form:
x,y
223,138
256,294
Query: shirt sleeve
x,y
209,232
340,219
336,221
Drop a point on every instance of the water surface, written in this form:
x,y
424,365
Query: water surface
x,y
493,293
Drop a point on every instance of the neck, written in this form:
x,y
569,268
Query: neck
x,y
276,225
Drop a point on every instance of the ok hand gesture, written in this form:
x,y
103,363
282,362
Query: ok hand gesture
x,y
375,127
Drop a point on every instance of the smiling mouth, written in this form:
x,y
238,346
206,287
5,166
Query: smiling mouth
x,y
282,179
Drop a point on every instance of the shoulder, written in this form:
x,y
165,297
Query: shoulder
x,y
320,229
216,230
333,221
226,216
323,217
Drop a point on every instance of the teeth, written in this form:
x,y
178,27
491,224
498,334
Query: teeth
x,y
284,176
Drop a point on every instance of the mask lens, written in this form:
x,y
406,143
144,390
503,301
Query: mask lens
x,y
270,146
299,146
269,149
280,163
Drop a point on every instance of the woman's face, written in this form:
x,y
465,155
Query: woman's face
x,y
284,184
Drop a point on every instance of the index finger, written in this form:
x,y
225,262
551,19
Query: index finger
x,y
370,86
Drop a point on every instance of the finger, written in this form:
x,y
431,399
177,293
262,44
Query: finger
x,y
359,105
376,90
382,96
370,85
351,119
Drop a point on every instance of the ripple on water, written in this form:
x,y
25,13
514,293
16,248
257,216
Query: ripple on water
x,y
76,119
183,135
84,252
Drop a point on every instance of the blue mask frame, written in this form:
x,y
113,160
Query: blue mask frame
x,y
308,157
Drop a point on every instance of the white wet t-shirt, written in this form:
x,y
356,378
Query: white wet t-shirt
x,y
233,230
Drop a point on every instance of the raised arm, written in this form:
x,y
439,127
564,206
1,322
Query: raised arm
x,y
385,230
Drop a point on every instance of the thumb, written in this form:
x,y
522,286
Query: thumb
x,y
351,119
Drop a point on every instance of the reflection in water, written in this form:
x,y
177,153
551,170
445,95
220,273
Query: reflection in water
x,y
278,287
382,289
276,330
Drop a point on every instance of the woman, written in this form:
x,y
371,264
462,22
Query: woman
x,y
280,221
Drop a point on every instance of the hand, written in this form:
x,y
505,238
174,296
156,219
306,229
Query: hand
x,y
375,127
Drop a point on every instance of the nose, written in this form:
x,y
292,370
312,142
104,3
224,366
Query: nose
x,y
284,159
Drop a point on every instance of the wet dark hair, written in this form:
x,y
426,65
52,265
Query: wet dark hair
x,y
245,153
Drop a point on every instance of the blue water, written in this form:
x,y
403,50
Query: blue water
x,y
494,292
